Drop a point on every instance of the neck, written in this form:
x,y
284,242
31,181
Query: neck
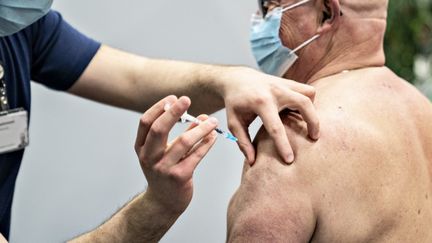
x,y
354,46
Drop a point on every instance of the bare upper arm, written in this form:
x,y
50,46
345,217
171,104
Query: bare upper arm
x,y
273,203
258,217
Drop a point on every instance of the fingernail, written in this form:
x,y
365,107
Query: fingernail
x,y
251,158
213,120
315,135
290,158
203,117
246,155
167,106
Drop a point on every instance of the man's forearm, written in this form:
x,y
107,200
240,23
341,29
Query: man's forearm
x,y
133,82
142,220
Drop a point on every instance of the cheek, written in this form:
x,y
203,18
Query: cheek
x,y
303,25
287,34
296,30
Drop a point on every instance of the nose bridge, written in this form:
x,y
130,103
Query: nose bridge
x,y
267,5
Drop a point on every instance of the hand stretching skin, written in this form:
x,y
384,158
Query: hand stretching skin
x,y
251,93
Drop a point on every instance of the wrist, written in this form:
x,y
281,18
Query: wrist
x,y
228,77
164,207
217,78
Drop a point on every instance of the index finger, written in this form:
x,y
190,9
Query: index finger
x,y
309,114
304,89
274,126
158,134
149,117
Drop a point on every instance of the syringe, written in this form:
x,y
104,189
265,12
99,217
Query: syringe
x,y
188,118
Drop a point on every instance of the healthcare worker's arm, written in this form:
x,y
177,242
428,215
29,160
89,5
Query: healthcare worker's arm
x,y
2,239
133,82
168,170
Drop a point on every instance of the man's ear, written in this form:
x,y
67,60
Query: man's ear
x,y
330,17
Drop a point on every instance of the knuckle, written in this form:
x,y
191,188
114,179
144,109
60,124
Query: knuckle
x,y
145,121
274,130
159,169
176,175
144,162
145,167
199,154
311,91
150,158
304,102
185,141
176,111
311,94
143,158
262,99
276,89
157,130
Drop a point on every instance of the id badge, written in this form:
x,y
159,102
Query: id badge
x,y
13,130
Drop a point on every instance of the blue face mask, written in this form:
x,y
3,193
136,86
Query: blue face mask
x,y
272,57
15,15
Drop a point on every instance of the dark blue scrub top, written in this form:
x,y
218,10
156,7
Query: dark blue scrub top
x,y
49,52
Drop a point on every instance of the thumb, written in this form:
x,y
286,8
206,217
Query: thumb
x,y
244,141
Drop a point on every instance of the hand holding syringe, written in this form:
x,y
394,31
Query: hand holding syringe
x,y
188,118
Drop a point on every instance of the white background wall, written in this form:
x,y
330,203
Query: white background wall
x,y
81,167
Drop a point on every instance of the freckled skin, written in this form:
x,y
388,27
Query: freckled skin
x,y
368,179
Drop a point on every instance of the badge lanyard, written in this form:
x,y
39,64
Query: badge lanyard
x,y
13,122
4,104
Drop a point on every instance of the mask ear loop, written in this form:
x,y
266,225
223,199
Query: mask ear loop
x,y
295,5
305,43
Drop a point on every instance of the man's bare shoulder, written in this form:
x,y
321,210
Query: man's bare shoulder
x,y
362,171
372,122
356,111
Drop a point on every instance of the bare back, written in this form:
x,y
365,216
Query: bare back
x,y
368,179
